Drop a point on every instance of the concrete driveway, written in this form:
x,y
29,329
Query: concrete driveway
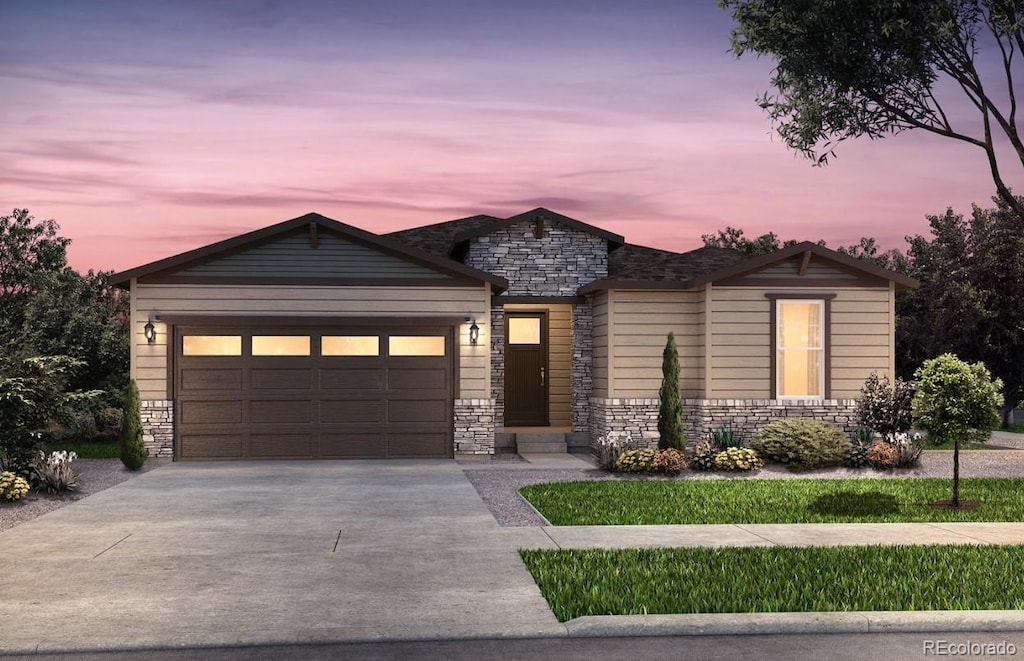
x,y
227,553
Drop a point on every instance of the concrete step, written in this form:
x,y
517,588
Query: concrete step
x,y
541,443
546,447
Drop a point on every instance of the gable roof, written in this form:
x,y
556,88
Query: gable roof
x,y
439,238
382,243
848,263
540,213
695,268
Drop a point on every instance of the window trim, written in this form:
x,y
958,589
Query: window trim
x,y
826,330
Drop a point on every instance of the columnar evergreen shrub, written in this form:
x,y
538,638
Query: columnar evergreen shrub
x,y
885,406
133,450
670,410
802,443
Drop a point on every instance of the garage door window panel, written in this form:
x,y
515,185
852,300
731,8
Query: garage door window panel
x,y
280,345
350,345
211,345
416,345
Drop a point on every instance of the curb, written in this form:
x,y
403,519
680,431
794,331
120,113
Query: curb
x,y
732,624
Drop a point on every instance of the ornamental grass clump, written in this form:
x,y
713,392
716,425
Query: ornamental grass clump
x,y
12,486
53,472
610,447
801,443
738,459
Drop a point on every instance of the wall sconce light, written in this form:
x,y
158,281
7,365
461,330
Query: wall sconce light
x,y
474,333
149,330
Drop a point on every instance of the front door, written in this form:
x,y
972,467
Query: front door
x,y
526,364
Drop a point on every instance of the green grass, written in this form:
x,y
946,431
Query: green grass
x,y
772,579
88,449
873,500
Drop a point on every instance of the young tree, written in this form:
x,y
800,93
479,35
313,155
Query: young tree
x,y
133,449
851,68
956,401
670,411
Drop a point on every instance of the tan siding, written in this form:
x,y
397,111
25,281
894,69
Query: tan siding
x,y
642,321
599,305
559,360
741,339
149,361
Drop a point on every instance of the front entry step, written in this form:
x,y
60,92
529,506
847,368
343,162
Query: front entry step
x,y
541,443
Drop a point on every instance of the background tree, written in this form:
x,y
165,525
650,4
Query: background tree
x,y
732,237
27,249
670,410
969,302
955,402
851,68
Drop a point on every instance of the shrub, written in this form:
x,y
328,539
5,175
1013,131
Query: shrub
x,y
857,457
610,446
12,487
801,443
703,457
885,406
724,437
637,461
133,450
670,409
53,472
738,459
670,461
883,455
109,423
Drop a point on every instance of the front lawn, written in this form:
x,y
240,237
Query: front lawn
x,y
772,579
874,500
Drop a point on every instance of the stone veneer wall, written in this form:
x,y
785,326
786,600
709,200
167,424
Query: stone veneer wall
x,y
638,417
582,365
498,363
474,426
746,416
557,264
158,427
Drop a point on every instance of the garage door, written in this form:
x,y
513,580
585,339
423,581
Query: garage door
x,y
312,393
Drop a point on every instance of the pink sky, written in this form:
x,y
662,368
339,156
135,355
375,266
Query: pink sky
x,y
147,129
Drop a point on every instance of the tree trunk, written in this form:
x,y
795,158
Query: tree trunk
x,y
1007,415
956,473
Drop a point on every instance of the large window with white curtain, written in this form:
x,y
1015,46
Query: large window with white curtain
x,y
800,349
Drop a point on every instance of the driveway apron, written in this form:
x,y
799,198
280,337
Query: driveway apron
x,y
277,551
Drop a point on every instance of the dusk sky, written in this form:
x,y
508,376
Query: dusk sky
x,y
149,128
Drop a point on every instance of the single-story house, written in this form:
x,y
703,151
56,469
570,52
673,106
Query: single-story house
x,y
312,338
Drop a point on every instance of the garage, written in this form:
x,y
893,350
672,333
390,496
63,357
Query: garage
x,y
313,391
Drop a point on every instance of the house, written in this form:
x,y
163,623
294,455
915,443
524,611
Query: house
x,y
315,339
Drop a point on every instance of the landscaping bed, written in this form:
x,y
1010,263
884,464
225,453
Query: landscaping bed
x,y
680,501
772,579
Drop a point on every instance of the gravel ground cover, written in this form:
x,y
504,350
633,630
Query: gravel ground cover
x,y
499,489
95,475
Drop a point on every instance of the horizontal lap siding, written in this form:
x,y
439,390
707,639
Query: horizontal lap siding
x,y
861,331
741,340
642,321
150,366
559,373
599,306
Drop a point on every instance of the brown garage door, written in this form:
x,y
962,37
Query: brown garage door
x,y
321,394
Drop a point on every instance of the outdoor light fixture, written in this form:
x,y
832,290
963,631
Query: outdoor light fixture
x,y
474,333
149,330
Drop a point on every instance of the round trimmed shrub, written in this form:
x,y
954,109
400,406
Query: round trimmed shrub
x,y
738,459
670,461
637,461
802,443
12,487
883,455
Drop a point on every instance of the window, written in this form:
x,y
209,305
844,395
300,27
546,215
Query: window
x,y
211,345
280,345
799,349
524,330
416,345
350,345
